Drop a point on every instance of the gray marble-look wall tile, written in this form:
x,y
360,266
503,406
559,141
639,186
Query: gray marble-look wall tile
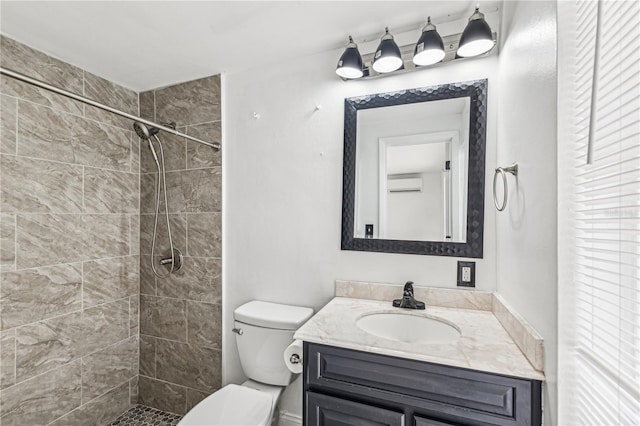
x,y
48,344
100,411
48,134
199,279
148,193
109,93
31,295
134,234
108,191
204,324
7,242
135,154
147,355
48,239
188,365
134,315
147,278
194,397
174,149
193,102
163,317
8,124
108,368
23,59
199,155
162,395
42,399
37,186
178,233
7,358
110,279
133,391
105,235
204,234
147,107
195,191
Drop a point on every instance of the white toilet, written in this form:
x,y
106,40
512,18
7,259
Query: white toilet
x,y
263,331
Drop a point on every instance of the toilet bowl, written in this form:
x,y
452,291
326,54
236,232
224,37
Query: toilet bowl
x,y
263,331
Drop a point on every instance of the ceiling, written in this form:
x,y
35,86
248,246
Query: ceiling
x,y
148,44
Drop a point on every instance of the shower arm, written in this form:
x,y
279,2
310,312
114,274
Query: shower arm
x,y
63,92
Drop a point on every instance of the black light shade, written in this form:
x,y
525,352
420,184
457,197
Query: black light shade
x,y
350,63
429,48
476,38
387,57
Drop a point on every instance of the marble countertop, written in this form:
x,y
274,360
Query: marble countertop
x,y
484,345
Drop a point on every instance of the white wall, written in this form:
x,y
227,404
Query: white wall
x,y
283,190
526,230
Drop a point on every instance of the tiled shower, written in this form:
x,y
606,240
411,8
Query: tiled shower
x,y
86,330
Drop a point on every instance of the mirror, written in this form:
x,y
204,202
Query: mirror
x,y
413,176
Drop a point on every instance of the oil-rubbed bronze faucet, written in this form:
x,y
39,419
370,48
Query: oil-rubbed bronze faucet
x,y
408,301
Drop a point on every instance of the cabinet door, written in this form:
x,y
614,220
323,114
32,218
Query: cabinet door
x,y
323,410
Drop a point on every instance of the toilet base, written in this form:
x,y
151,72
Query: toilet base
x,y
252,403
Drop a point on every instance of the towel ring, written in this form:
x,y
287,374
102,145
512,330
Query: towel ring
x,y
513,169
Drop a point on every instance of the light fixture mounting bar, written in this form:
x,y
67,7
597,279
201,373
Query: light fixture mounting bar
x,y
450,47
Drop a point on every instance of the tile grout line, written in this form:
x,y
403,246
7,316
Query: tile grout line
x,y
60,111
174,384
81,405
65,364
81,310
183,343
28,157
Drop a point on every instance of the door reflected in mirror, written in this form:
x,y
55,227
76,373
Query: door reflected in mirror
x,y
411,171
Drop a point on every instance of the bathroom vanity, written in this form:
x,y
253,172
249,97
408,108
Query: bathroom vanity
x,y
344,386
358,377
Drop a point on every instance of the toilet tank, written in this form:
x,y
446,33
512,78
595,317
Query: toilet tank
x,y
267,329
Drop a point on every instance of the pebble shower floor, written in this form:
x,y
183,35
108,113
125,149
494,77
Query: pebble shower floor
x,y
146,416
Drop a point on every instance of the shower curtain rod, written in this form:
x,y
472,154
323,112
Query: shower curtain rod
x,y
49,87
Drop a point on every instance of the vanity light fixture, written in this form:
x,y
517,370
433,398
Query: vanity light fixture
x,y
476,38
387,57
350,63
429,49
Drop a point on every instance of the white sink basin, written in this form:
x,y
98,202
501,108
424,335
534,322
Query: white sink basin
x,y
408,328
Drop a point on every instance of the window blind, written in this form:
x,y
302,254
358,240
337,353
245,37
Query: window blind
x,y
599,213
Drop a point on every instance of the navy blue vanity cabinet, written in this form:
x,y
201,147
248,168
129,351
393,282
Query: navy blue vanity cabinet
x,y
349,387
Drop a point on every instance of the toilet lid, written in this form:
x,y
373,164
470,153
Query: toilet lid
x,y
231,405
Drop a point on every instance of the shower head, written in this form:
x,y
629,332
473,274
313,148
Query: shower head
x,y
143,131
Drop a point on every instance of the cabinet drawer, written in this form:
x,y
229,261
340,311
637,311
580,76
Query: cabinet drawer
x,y
423,421
324,410
368,374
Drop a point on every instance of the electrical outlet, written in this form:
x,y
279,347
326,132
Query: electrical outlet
x,y
466,274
